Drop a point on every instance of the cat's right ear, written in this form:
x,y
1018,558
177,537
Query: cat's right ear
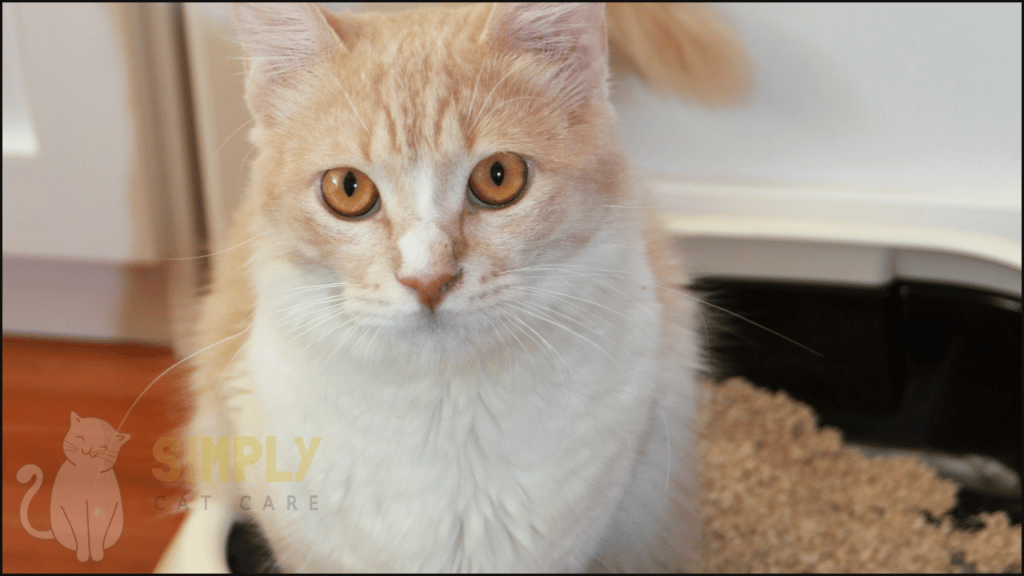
x,y
569,36
75,418
280,41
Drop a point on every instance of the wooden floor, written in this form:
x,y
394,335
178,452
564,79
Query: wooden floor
x,y
43,382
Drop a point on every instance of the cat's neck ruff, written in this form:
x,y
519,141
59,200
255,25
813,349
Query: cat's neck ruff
x,y
498,456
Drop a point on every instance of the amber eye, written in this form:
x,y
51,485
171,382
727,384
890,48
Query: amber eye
x,y
349,192
499,179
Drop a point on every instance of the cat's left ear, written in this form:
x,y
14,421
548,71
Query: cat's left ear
x,y
279,42
120,439
570,37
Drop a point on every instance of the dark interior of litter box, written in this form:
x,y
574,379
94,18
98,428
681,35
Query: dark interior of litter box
x,y
906,365
248,552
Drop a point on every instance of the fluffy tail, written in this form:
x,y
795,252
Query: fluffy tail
x,y
682,48
25,474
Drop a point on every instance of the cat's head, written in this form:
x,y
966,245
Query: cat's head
x,y
427,169
92,443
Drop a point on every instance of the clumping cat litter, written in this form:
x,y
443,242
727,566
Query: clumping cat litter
x,y
781,495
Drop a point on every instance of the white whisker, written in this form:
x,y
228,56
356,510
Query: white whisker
x,y
483,107
680,291
228,249
555,354
173,366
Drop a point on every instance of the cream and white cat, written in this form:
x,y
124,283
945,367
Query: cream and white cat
x,y
446,270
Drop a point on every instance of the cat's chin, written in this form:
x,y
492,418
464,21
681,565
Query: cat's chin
x,y
442,335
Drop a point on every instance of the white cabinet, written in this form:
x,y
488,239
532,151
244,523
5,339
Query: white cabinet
x,y
98,188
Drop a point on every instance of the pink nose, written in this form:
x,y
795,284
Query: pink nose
x,y
431,290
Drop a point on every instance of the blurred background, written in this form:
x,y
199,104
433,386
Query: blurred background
x,y
877,140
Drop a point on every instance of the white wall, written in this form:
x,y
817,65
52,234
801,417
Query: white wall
x,y
915,98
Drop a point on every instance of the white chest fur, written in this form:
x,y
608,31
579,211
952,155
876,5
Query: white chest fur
x,y
514,463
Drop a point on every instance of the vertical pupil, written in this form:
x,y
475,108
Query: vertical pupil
x,y
497,173
350,184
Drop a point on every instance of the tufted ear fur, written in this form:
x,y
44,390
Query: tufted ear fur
x,y
569,37
279,42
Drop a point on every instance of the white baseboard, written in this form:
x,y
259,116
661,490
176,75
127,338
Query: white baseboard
x,y
75,300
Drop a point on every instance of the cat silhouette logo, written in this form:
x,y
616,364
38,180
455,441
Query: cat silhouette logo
x,y
86,514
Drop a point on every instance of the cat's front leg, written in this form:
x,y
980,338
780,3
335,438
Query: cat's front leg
x,y
99,518
71,527
105,525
